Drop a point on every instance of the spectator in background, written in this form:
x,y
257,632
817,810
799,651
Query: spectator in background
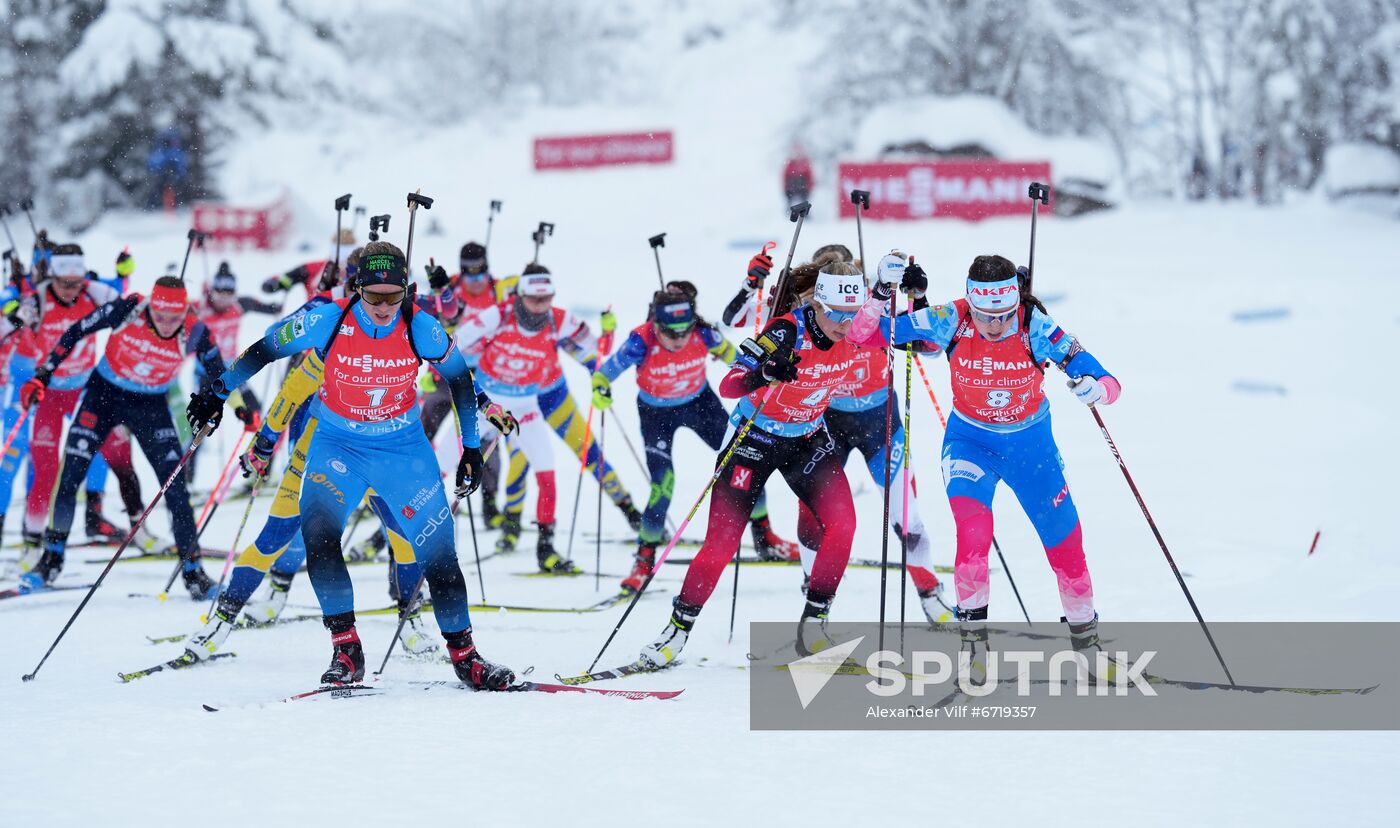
x,y
797,176
169,168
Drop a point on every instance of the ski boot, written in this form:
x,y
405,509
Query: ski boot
x,y
972,633
548,559
471,668
144,539
768,545
510,534
201,587
491,516
662,652
416,640
930,591
266,608
641,570
32,549
634,517
42,574
99,529
369,549
812,634
348,656
212,635
1085,640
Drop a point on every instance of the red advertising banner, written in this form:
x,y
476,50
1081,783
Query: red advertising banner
x,y
971,189
603,150
259,228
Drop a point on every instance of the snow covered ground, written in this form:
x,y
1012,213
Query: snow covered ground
x,y
1254,347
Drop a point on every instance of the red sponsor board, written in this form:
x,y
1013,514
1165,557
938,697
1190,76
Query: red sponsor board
x,y
603,150
970,189
261,228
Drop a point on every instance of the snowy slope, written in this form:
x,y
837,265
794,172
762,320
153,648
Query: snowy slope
x,y
1246,437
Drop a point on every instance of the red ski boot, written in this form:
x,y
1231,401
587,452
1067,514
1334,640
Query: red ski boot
x,y
768,545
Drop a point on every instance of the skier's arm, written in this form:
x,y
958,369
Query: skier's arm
x,y
311,330
746,374
109,315
731,313
632,352
206,353
301,383
578,341
478,326
252,305
430,339
1051,342
719,347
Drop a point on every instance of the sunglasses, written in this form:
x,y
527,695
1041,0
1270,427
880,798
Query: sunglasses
x,y
837,316
993,318
675,333
474,275
382,298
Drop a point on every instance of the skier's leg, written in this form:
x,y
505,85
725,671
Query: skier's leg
x,y
44,453
1035,472
337,470
149,420
970,478
571,424
659,427
816,476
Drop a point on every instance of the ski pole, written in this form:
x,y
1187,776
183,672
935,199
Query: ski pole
x,y
205,518
189,245
341,205
377,224
758,298
27,204
490,219
471,516
861,199
544,231
995,545
1039,194
416,199
179,467
598,541
14,432
661,559
355,222
734,600
233,548
582,467
889,436
5,211
1152,524
423,577
904,486
658,241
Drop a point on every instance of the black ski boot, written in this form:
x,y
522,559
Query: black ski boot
x,y
812,635
972,631
634,517
1085,640
550,560
369,549
348,657
201,587
471,668
491,516
510,533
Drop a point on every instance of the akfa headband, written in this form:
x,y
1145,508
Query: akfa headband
x,y
994,296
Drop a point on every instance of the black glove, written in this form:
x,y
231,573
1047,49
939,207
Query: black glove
x,y
205,409
437,276
330,275
915,281
469,469
780,367
272,284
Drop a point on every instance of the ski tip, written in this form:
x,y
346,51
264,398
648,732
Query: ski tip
x,y
209,709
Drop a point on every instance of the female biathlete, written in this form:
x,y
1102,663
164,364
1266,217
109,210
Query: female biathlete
x,y
669,351
797,354
998,340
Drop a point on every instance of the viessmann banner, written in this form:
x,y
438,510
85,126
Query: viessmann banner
x,y
969,189
582,151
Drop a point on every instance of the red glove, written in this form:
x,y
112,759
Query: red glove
x,y
32,392
759,268
251,417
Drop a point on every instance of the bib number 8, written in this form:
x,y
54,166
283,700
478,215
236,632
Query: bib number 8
x,y
998,399
376,396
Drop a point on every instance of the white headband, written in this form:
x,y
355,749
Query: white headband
x,y
68,264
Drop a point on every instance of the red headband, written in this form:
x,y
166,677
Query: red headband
x,y
169,299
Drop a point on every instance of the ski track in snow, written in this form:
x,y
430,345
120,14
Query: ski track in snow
x,y
1238,484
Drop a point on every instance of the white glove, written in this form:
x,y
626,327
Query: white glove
x,y
891,268
1087,389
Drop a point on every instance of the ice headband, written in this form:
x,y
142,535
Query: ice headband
x,y
536,284
67,264
839,290
168,299
994,296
